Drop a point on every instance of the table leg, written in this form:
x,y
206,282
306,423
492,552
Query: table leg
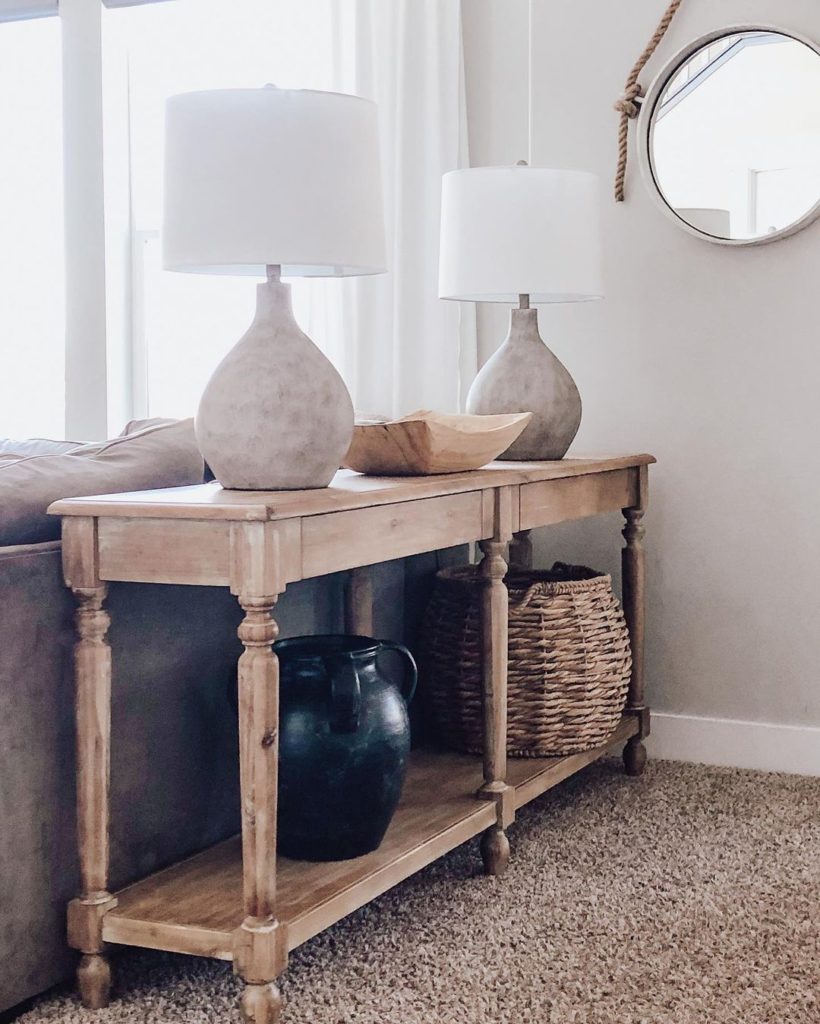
x,y
359,601
495,847
260,953
92,666
633,577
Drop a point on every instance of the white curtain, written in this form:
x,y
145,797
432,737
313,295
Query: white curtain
x,y
403,348
398,346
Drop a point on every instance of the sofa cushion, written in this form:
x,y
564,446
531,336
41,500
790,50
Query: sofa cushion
x,y
134,426
24,449
163,455
36,446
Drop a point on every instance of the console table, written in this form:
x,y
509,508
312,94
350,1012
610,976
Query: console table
x,y
234,901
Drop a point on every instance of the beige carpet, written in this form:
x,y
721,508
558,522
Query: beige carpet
x,y
690,896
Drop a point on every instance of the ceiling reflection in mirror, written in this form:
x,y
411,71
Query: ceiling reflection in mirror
x,y
735,136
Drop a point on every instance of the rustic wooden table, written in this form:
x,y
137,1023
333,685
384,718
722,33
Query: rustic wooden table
x,y
234,901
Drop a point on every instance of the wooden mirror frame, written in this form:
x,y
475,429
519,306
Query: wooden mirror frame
x,y
646,131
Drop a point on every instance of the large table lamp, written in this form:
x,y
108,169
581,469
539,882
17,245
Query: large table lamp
x,y
527,235
273,182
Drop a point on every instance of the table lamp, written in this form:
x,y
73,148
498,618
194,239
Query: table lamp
x,y
273,182
525,234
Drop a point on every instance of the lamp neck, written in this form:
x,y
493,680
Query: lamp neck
x,y
523,300
524,326
273,301
273,272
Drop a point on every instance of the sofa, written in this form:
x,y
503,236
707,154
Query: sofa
x,y
174,777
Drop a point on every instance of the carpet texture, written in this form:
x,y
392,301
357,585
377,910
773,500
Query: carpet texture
x,y
689,896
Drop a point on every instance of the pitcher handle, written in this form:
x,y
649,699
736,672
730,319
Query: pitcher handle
x,y
412,675
345,696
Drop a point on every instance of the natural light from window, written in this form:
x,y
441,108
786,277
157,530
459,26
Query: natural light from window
x,y
178,326
32,373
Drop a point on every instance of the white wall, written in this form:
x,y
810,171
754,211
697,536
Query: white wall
x,y
496,52
709,358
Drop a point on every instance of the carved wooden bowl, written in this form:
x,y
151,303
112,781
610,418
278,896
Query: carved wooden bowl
x,y
430,442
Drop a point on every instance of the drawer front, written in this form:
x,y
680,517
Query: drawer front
x,y
342,540
165,551
555,501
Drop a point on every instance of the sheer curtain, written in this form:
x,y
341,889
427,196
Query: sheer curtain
x,y
32,321
160,335
397,345
176,326
404,347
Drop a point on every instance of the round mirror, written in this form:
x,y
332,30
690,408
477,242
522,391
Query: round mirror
x,y
730,135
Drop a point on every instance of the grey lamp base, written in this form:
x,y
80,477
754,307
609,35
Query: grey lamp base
x,y
275,415
524,376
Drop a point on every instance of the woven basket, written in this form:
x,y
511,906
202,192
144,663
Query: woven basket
x,y
569,660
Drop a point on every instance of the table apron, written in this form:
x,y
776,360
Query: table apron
x,y
204,552
194,552
556,501
207,552
343,540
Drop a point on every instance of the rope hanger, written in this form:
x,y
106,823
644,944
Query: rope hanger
x,y
629,104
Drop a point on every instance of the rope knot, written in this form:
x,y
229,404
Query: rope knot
x,y
629,103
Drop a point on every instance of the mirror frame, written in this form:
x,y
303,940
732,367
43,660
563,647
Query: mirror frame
x,y
646,130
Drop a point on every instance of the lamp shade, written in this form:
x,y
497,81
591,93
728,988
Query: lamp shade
x,y
507,231
255,177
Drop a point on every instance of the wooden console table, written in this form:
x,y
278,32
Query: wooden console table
x,y
234,902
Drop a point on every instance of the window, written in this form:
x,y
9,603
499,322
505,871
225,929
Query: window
x,y
32,255
181,325
104,335
161,334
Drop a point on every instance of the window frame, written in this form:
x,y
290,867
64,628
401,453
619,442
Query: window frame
x,y
87,377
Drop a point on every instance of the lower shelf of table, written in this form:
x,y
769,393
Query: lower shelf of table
x,y
195,906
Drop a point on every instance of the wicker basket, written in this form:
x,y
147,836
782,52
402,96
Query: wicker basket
x,y
569,660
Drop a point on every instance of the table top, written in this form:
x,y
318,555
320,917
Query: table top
x,y
348,490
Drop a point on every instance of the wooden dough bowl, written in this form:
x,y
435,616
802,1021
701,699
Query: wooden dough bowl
x,y
430,442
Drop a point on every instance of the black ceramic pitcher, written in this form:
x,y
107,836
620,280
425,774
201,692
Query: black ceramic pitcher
x,y
344,740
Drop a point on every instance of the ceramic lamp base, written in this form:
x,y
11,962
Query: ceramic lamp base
x,y
524,376
275,415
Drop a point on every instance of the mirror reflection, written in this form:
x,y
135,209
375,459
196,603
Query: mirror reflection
x,y
735,135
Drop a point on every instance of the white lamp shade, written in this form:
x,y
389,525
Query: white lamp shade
x,y
255,177
507,231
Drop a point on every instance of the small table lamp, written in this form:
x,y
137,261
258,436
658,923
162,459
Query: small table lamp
x,y
523,234
268,182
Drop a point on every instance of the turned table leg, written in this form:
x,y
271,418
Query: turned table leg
x,y
633,574
92,665
495,847
260,952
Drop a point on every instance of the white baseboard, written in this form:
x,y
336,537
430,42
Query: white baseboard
x,y
735,744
